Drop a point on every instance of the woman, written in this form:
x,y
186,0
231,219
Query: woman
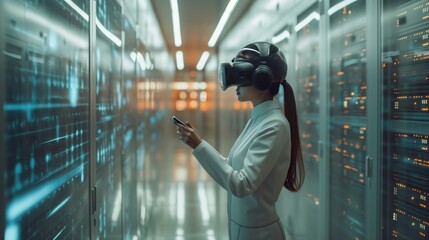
x,y
267,154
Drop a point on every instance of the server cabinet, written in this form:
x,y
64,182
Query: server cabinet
x,y
45,104
308,101
405,189
68,120
347,120
109,128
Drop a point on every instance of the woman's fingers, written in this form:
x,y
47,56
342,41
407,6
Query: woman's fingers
x,y
188,135
183,132
189,124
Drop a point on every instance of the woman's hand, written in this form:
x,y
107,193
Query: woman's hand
x,y
188,135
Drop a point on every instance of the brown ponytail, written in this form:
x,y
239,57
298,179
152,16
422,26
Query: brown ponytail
x,y
296,173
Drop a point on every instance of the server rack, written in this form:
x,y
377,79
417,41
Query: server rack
x,y
383,60
405,156
46,113
69,121
347,120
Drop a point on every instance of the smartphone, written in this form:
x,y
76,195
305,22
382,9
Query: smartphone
x,y
176,120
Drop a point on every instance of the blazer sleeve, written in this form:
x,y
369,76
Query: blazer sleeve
x,y
214,163
258,163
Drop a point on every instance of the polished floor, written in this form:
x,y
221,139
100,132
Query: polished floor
x,y
189,204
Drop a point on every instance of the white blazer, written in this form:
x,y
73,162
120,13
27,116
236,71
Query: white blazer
x,y
254,173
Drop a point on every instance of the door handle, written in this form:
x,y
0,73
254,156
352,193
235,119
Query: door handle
x,y
368,166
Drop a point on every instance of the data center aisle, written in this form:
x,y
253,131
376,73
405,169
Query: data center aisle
x,y
189,205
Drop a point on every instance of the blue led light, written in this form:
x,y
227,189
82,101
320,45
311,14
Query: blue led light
x,y
56,236
59,206
24,202
12,231
73,90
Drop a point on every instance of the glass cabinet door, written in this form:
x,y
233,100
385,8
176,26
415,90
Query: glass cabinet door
x,y
405,120
347,119
109,128
129,151
308,87
46,99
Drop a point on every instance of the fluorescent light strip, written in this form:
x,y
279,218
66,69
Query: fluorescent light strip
x,y
141,61
203,60
78,9
133,56
219,28
176,23
339,6
149,64
147,58
307,20
280,37
85,16
190,86
179,60
108,34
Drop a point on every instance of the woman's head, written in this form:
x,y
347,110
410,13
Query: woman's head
x,y
260,64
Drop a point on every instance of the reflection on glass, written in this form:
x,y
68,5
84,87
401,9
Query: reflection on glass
x,y
109,130
406,133
308,104
347,128
46,126
129,173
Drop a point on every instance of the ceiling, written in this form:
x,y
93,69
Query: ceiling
x,y
198,20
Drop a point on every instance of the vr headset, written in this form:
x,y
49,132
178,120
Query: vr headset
x,y
251,67
238,73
